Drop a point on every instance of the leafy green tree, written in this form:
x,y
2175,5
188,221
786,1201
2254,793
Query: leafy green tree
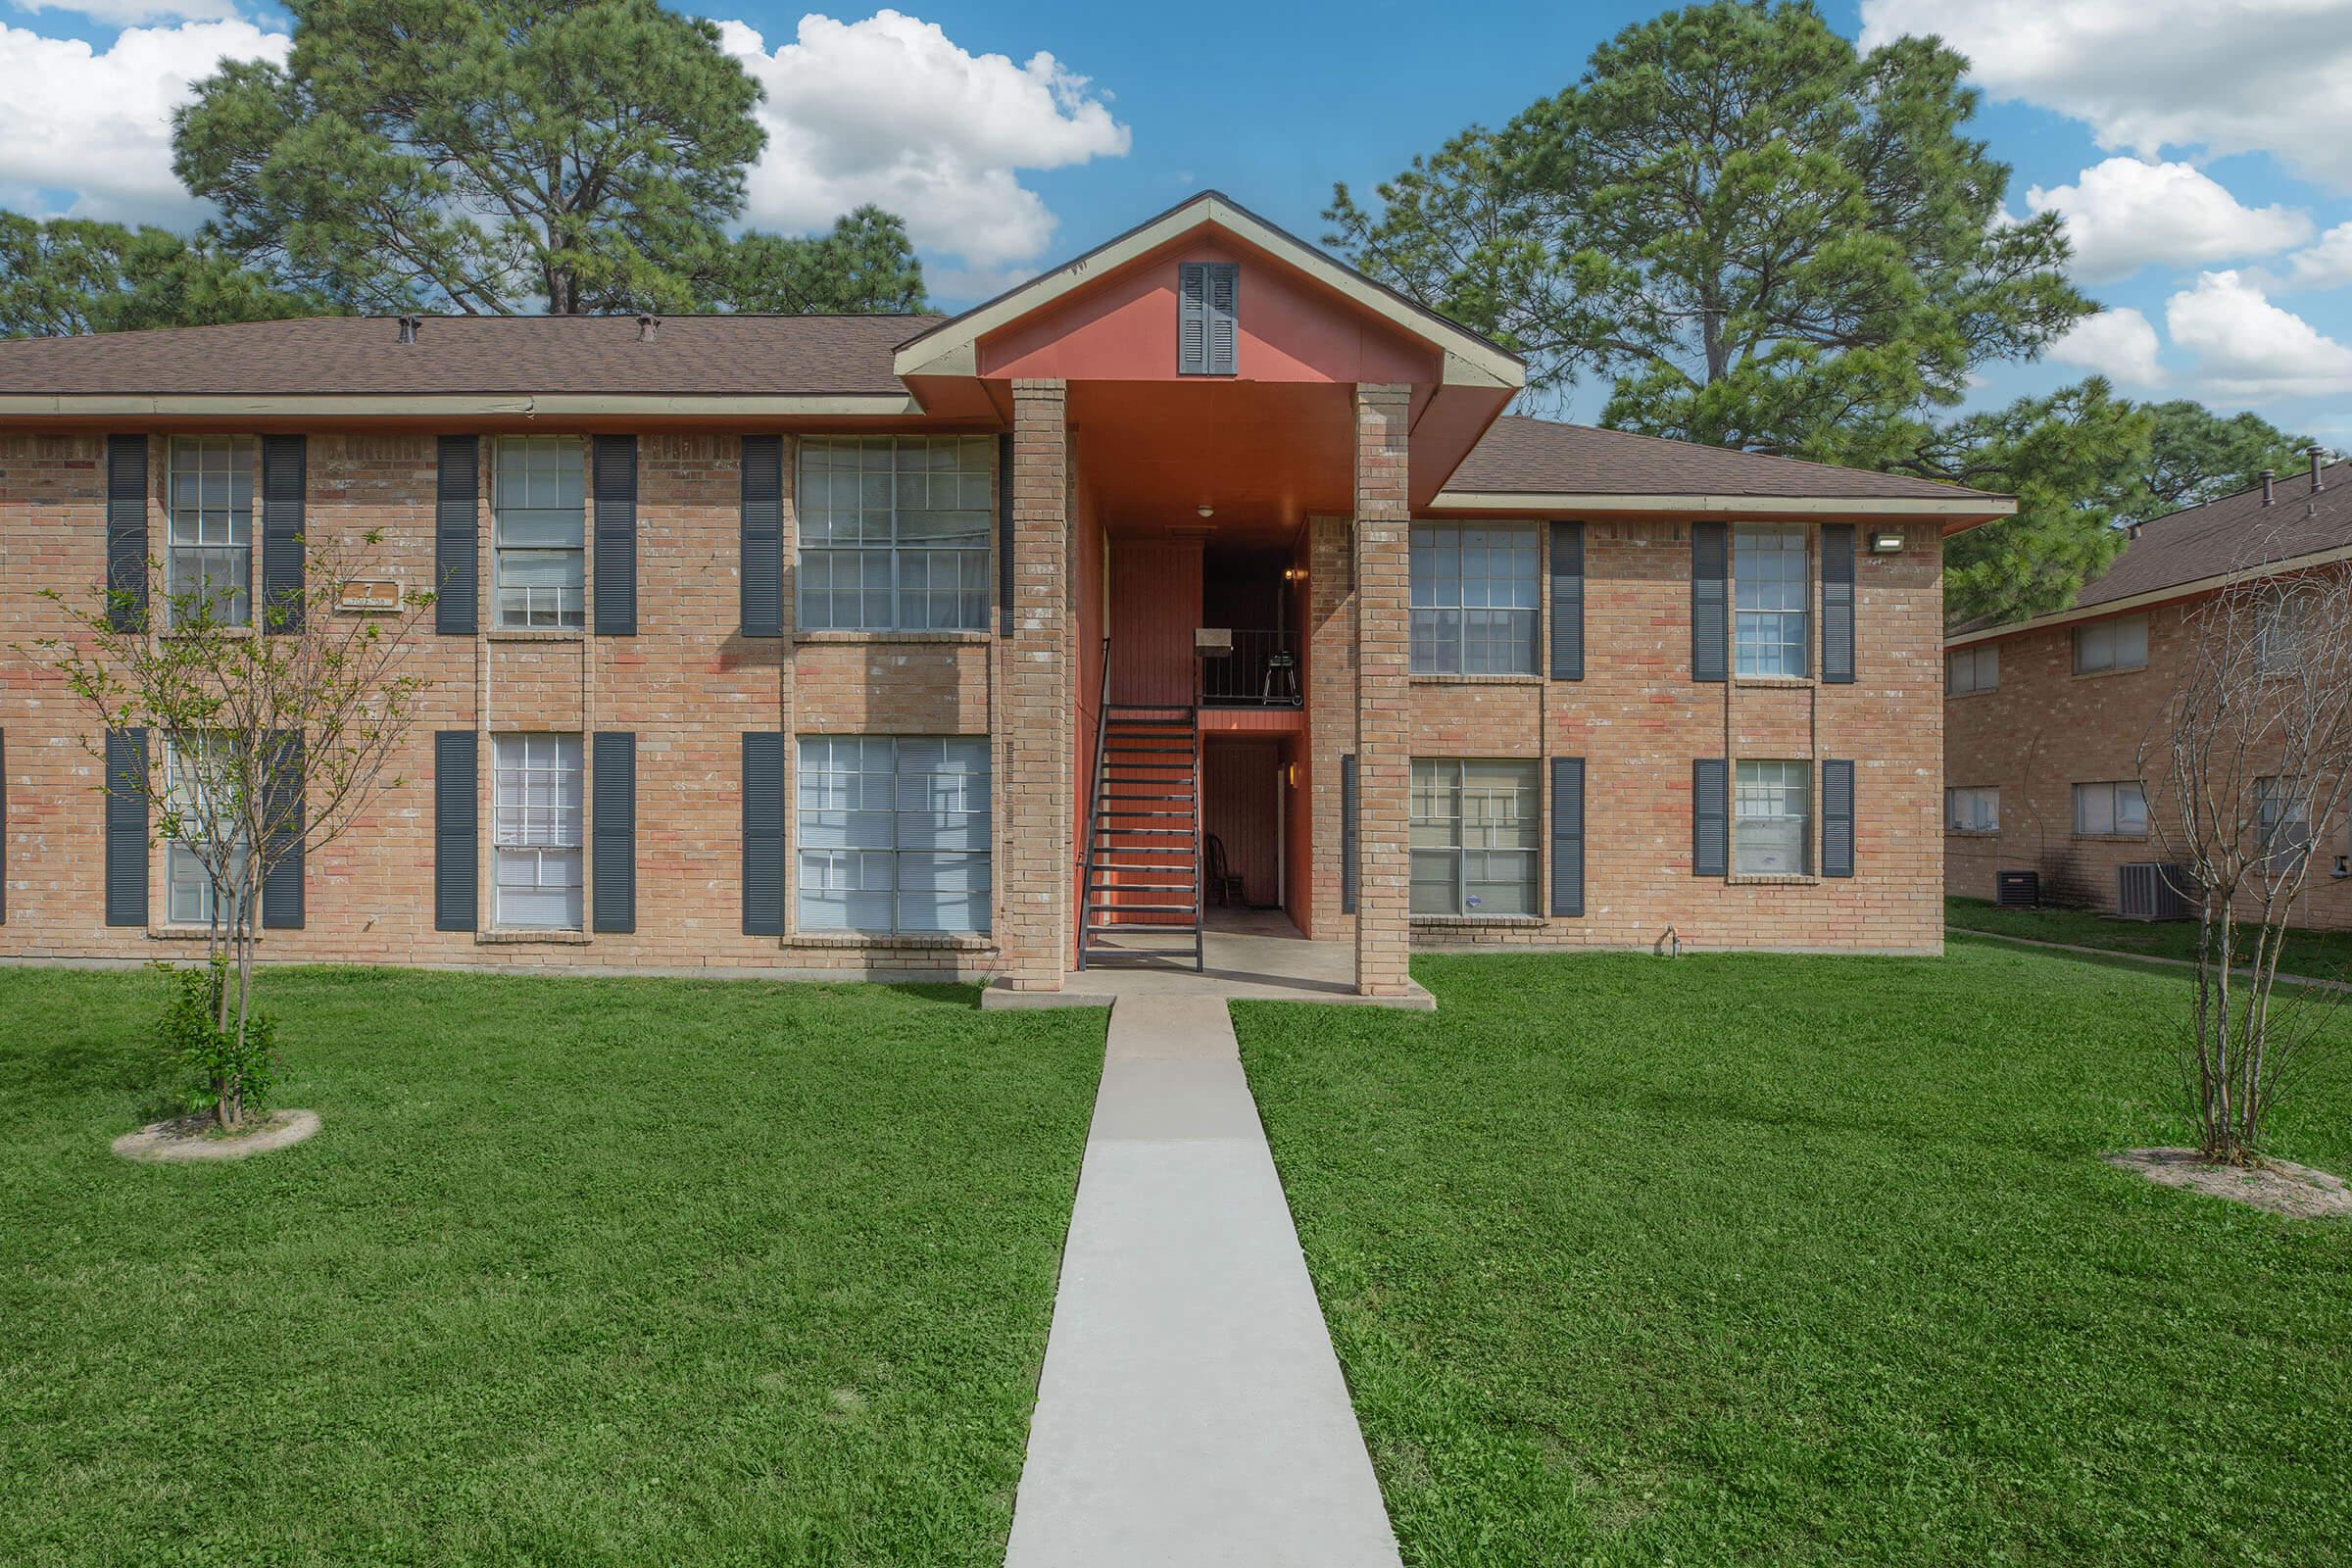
x,y
2196,456
2071,458
479,156
71,274
863,266
1764,238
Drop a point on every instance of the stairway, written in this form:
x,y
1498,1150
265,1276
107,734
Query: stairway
x,y
1143,846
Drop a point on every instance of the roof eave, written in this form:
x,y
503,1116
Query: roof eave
x,y
2165,594
1961,511
456,405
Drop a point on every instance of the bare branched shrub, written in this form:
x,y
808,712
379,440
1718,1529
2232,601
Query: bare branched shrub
x,y
267,735
2250,758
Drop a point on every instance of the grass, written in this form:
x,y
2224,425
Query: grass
x,y
579,1271
2315,954
1758,1260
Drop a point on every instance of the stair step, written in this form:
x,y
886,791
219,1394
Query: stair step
x,y
1153,751
1132,815
1124,798
1139,909
1142,832
1139,887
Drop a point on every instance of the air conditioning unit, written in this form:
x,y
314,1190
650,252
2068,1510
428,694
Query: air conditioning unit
x,y
2147,891
2017,889
1212,642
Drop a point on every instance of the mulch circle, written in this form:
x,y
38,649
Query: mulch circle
x,y
2279,1186
193,1138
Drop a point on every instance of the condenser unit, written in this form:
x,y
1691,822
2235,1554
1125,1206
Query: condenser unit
x,y
2017,889
2147,891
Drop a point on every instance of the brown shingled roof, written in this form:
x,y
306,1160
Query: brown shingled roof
x,y
1523,456
706,356
2219,539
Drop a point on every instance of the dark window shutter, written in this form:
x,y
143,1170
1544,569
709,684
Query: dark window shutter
x,y
1224,319
1837,819
1567,834
457,542
1567,600
1838,602
1005,535
126,535
763,536
282,466
1191,319
763,834
1348,834
615,484
125,827
1710,625
614,769
456,830
282,882
1711,817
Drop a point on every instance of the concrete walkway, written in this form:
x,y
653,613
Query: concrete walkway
x,y
1192,1411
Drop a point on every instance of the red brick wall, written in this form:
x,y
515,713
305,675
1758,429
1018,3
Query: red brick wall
x,y
2042,730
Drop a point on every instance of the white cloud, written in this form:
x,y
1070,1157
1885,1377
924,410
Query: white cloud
x,y
2248,75
98,121
130,12
2118,343
2327,265
890,110
2124,214
2248,348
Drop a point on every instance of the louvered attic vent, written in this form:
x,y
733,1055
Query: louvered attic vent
x,y
1208,336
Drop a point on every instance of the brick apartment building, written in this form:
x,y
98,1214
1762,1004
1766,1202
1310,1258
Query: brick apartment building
x,y
846,645
2043,718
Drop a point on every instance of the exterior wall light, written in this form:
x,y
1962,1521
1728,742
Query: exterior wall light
x,y
1887,542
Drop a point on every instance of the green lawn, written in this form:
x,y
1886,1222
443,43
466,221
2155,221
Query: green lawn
x,y
1744,1258
579,1272
2321,954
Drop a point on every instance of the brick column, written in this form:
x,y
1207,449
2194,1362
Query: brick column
x,y
1330,716
1383,690
1034,713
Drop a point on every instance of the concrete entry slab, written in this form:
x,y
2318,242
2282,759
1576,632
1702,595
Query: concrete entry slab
x,y
1192,1409
1254,955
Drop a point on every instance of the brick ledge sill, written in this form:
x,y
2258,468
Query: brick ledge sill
x,y
523,939
1442,679
869,637
1761,880
943,942
1472,922
188,933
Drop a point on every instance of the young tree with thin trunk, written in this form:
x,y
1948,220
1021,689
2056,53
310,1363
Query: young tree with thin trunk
x,y
269,734
2253,748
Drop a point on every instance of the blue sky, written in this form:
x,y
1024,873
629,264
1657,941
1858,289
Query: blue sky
x,y
2202,159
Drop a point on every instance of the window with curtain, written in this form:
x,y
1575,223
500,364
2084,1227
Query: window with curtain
x,y
894,532
1474,829
894,833
2120,644
209,552
1972,810
1771,589
539,533
1973,669
2115,810
538,823
1772,818
2282,821
1475,595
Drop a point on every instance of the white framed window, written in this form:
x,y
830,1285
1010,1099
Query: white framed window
x,y
539,533
2282,820
894,532
209,551
1475,595
537,824
199,784
2281,623
1972,810
1772,818
1474,832
894,833
1772,583
2119,643
1973,669
2115,810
